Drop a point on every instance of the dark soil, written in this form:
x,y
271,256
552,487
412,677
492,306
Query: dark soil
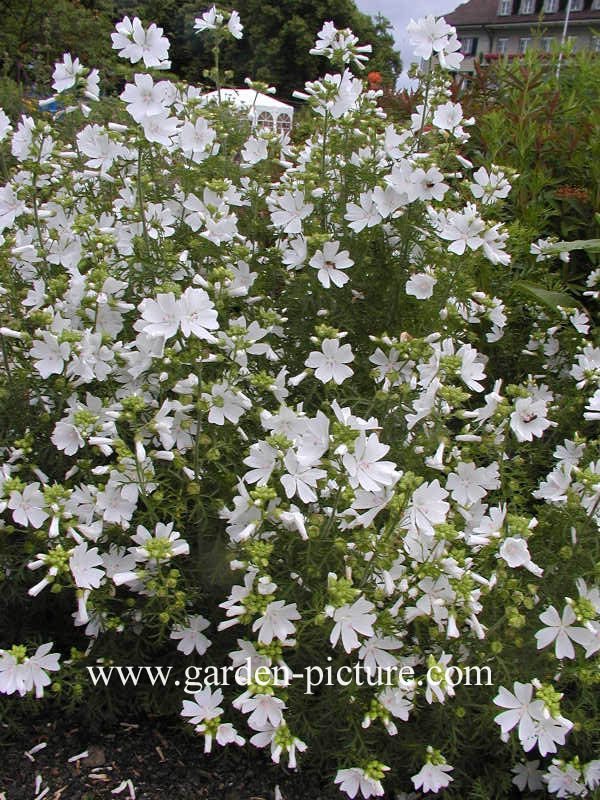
x,y
162,761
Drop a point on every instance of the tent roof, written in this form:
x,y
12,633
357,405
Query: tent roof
x,y
246,98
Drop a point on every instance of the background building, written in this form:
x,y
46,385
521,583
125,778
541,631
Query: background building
x,y
490,28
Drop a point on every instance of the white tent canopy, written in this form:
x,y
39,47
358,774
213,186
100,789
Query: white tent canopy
x,y
263,110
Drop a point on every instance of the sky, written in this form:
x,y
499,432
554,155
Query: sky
x,y
399,13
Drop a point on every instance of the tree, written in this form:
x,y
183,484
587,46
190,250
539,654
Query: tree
x,y
274,49
277,38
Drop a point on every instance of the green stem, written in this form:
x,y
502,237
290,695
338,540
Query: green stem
x,y
140,189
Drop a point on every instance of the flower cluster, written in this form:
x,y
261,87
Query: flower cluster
x,y
292,394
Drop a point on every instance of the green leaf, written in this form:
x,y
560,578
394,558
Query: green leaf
x,y
591,245
548,297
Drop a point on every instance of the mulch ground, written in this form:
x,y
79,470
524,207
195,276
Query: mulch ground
x,y
146,759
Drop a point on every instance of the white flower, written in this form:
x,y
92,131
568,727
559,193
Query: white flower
x,y
528,776
5,125
288,210
515,552
197,314
65,74
301,478
265,708
161,317
591,773
225,403
330,263
448,116
364,465
330,363
489,187
276,622
234,26
365,215
428,35
22,674
149,45
563,780
205,706
262,459
255,150
469,483
562,631
210,20
420,286
350,620
354,780
433,777
529,419
83,563
191,636
10,207
522,711
427,508
144,98
27,506
463,229
49,354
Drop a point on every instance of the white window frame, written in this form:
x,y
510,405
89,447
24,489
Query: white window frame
x,y
576,5
265,120
505,8
524,43
547,42
595,5
527,7
283,123
502,46
467,45
551,6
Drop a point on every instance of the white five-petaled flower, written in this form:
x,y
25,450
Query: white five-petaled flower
x,y
28,506
276,622
364,465
22,675
330,363
330,264
190,635
529,419
83,564
351,620
288,210
65,73
561,632
354,780
432,777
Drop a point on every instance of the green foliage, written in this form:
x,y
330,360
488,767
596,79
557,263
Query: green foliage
x,y
544,124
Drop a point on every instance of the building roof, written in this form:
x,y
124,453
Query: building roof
x,y
485,12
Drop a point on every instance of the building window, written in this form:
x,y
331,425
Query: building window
x,y
506,7
284,123
469,46
551,6
265,120
595,5
502,46
576,5
524,44
527,7
547,42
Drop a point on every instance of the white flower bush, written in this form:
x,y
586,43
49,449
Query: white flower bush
x,y
282,403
